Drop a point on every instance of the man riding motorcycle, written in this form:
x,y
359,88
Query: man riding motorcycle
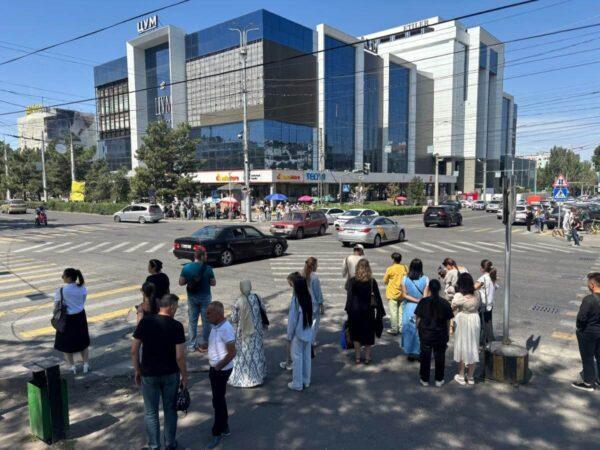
x,y
40,216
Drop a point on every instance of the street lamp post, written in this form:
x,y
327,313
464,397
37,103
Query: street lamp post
x,y
244,56
436,190
483,190
6,171
44,167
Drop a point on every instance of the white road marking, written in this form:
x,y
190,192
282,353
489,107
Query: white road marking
x,y
52,248
135,247
73,248
416,247
438,247
156,247
115,247
500,246
32,247
529,247
89,249
460,247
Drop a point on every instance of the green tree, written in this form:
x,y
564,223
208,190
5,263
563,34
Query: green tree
x,y
167,160
25,175
416,191
568,163
119,191
596,159
58,172
98,183
393,190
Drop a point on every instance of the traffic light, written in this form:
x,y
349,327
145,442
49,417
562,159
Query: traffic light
x,y
366,168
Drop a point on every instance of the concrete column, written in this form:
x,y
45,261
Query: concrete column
x,y
470,167
272,190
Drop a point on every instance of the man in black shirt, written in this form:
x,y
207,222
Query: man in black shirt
x,y
588,335
162,367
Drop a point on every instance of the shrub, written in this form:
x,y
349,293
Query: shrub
x,y
81,207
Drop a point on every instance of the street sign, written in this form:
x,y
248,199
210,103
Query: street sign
x,y
346,188
560,182
560,194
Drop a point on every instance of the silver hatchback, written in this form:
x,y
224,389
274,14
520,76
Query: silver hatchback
x,y
139,212
370,230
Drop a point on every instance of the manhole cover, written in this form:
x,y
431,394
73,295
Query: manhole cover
x,y
540,307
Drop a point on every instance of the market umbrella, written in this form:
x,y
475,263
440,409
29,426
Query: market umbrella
x,y
230,187
209,200
401,198
276,197
305,198
229,200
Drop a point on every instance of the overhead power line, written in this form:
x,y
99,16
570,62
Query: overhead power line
x,y
90,33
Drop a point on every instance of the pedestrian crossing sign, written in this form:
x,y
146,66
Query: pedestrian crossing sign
x,y
560,194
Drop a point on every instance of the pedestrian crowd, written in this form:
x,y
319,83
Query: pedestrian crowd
x,y
425,313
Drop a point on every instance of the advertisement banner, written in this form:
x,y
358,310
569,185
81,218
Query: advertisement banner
x,y
77,191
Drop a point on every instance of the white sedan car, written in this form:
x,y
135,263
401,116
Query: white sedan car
x,y
371,231
332,214
353,213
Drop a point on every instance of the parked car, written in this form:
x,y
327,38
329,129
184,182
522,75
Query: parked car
x,y
466,203
442,216
521,215
372,230
478,205
14,206
225,244
139,212
351,214
301,223
454,203
492,207
332,214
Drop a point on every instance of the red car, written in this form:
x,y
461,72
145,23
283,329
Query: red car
x,y
301,223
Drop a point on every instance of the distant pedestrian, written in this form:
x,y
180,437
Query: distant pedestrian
x,y
365,310
249,365
588,335
198,277
316,294
574,224
350,263
287,363
413,290
149,305
465,305
159,279
221,351
486,288
537,218
528,218
433,315
450,277
75,338
162,369
392,279
566,224
300,333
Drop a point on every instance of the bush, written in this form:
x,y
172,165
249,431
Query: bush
x,y
383,208
81,207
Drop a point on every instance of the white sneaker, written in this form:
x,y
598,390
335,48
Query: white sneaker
x,y
73,369
424,383
291,386
86,368
439,383
460,379
470,380
285,365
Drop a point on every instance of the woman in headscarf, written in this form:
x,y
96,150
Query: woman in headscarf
x,y
249,365
365,310
300,333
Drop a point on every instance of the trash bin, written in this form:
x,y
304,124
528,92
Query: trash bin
x,y
48,401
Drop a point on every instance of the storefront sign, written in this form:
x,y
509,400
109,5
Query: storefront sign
x,y
288,177
226,177
162,105
414,25
147,24
315,176
33,108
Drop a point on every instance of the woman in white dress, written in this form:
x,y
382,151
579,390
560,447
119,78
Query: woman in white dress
x,y
486,287
465,305
249,365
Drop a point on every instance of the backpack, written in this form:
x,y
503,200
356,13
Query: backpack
x,y
195,284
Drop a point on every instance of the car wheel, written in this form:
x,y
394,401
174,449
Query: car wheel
x,y
459,222
117,218
345,244
300,233
401,236
377,241
551,227
226,258
322,230
277,250
142,220
427,225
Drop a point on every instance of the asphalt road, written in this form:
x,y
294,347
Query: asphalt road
x,y
547,274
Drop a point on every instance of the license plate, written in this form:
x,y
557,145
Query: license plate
x,y
186,245
432,215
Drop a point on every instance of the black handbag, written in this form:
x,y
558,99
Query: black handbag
x,y
263,314
183,399
59,316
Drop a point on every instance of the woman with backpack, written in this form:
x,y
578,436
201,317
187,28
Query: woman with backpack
x,y
433,322
413,291
75,337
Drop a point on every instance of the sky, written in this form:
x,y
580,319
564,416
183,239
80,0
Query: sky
x,y
555,80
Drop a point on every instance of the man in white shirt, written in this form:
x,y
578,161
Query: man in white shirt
x,y
350,262
221,351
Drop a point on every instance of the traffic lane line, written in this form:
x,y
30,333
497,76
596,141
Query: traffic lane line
x,y
101,244
27,272
75,247
92,319
32,247
477,247
115,247
156,247
30,267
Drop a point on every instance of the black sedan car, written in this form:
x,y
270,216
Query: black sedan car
x,y
225,244
442,216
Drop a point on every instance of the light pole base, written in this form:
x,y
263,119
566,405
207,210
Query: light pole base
x,y
507,363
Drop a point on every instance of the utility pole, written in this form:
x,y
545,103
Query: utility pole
x,y
72,156
484,181
44,166
244,56
6,171
509,205
436,190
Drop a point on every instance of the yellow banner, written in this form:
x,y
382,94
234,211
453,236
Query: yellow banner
x,y
77,191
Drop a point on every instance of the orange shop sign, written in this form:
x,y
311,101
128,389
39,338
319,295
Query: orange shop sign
x,y
288,177
227,177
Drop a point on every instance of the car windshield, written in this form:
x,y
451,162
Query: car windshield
x,y
353,212
323,210
295,217
209,232
520,209
359,221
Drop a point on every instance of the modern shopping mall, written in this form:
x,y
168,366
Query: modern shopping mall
x,y
322,104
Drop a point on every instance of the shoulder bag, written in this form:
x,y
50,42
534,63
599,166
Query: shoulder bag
x,y
263,314
195,284
59,317
377,319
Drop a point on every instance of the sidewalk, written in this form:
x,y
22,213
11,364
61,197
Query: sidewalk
x,y
346,407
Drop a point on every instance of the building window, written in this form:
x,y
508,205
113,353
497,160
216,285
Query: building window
x,y
493,61
112,108
399,88
483,51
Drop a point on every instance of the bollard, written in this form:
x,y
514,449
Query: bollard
x,y
48,402
507,363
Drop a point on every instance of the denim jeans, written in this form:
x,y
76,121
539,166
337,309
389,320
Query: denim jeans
x,y
197,308
575,236
165,386
301,363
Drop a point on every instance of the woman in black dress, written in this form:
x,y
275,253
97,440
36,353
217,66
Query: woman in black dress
x,y
75,338
159,279
365,310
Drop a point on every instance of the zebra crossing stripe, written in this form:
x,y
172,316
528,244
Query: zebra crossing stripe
x,y
102,244
32,247
416,247
52,248
68,249
461,248
468,244
156,247
115,247
530,247
438,247
135,247
500,246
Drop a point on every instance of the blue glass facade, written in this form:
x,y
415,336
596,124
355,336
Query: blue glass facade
x,y
339,105
504,126
493,61
483,55
372,120
110,72
117,152
271,145
399,86
157,72
270,26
